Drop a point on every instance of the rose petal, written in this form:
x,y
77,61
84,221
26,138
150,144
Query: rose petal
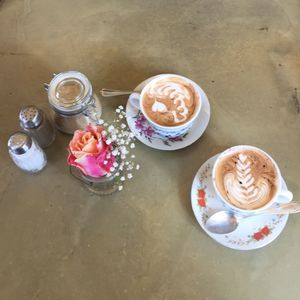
x,y
95,130
88,151
72,162
103,157
100,145
91,146
87,142
90,166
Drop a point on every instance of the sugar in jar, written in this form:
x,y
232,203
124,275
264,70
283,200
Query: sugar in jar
x,y
73,101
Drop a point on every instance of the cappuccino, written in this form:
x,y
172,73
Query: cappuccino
x,y
247,178
170,101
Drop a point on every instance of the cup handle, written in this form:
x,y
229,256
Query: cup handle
x,y
284,196
134,100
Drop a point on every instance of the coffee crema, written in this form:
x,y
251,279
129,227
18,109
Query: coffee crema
x,y
170,101
247,179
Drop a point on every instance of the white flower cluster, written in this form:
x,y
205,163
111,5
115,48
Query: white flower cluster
x,y
122,140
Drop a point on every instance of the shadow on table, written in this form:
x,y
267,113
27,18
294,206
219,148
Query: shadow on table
x,y
124,72
24,73
193,157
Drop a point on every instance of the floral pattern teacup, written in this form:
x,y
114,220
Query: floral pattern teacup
x,y
168,131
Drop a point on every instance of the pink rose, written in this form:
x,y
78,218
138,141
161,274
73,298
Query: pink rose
x,y
88,151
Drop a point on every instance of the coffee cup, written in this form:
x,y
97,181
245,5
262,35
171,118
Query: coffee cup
x,y
248,180
170,103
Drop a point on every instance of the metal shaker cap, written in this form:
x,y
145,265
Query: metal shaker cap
x,y
30,117
19,143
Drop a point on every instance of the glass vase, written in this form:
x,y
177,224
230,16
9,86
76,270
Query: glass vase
x,y
104,185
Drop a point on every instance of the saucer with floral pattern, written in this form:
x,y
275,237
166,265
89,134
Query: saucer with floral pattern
x,y
146,134
252,233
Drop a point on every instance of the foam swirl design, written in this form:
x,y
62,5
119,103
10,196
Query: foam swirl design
x,y
248,181
175,91
242,187
170,101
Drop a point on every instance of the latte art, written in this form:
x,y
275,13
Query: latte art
x,y
170,101
242,186
178,93
247,180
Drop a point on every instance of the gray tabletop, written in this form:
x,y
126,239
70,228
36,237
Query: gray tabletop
x,y
58,241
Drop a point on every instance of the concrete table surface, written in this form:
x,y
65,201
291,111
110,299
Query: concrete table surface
x,y
57,241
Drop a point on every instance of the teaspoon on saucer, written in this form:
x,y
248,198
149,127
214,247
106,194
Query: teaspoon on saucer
x,y
111,93
223,222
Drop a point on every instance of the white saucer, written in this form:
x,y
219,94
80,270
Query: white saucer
x,y
147,135
252,233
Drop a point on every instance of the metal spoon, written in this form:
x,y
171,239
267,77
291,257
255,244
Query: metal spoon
x,y
112,93
224,222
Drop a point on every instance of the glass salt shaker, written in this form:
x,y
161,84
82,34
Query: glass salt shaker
x,y
73,102
34,121
26,153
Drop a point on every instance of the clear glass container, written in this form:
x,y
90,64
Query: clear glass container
x,y
98,185
73,102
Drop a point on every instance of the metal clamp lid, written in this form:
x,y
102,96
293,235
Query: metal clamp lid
x,y
30,117
19,143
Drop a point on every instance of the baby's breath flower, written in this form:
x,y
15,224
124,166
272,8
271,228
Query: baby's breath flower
x,y
124,150
110,128
122,139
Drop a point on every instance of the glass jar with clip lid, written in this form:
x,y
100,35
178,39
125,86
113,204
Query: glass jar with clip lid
x,y
73,102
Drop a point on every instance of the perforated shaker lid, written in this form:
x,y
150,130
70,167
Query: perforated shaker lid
x,y
30,117
19,143
69,92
